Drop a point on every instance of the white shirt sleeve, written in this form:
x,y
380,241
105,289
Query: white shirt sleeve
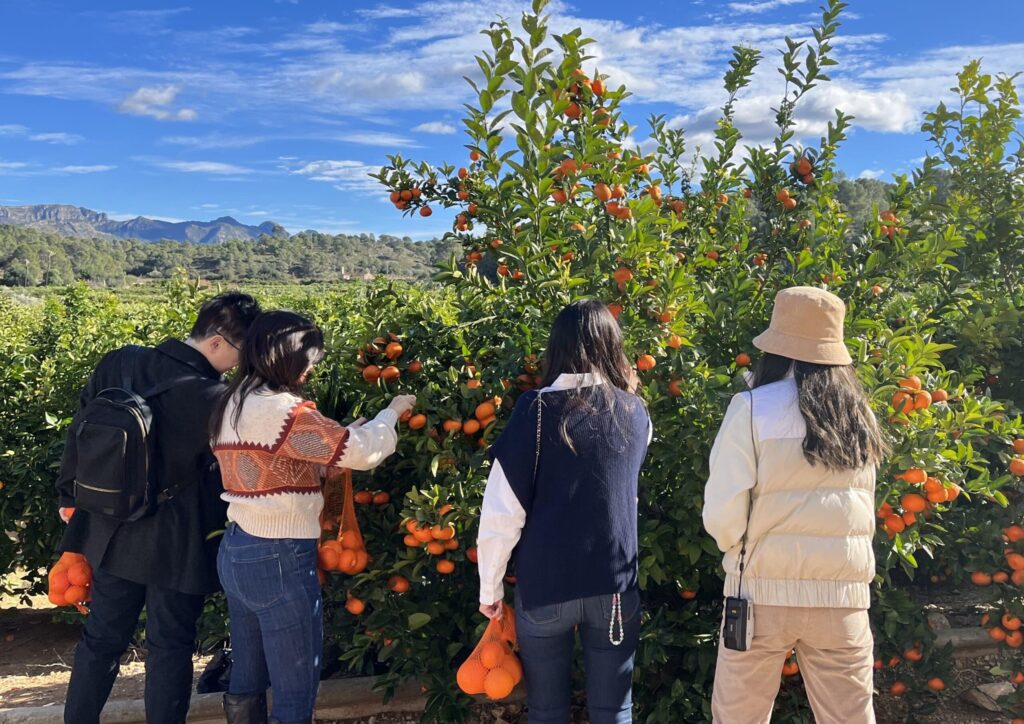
x,y
371,443
501,523
733,473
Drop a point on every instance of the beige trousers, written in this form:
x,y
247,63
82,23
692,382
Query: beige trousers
x,y
834,649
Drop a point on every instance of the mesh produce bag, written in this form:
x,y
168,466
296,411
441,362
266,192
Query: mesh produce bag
x,y
493,668
345,552
70,581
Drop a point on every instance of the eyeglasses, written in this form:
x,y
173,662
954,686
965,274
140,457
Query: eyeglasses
x,y
225,338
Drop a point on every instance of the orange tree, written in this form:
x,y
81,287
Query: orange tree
x,y
552,206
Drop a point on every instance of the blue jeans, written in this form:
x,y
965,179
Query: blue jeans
x,y
276,619
547,638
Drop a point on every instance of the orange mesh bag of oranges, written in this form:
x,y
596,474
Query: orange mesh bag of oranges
x,y
493,669
70,581
345,553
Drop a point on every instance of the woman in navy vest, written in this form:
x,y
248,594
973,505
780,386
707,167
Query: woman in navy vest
x,y
561,499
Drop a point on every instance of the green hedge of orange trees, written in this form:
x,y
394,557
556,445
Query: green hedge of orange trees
x,y
554,205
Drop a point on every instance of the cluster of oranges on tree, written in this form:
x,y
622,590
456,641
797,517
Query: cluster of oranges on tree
x,y
436,540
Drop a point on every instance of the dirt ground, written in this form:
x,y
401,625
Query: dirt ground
x,y
36,654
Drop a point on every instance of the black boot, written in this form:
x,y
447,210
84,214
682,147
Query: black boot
x,y
246,708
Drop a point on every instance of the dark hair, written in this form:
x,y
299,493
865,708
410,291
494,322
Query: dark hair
x,y
586,338
228,315
842,432
279,347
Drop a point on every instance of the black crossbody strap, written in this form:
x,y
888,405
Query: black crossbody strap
x,y
750,500
536,457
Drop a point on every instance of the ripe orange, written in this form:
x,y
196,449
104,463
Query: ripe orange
x,y
674,389
463,173
911,383
350,540
573,110
76,594
940,395
445,533
1017,467
980,578
422,534
952,492
790,668
492,654
1018,446
484,410
1015,561
406,194
915,503
425,211
1015,639
381,498
622,275
452,425
803,166
909,518
1014,533
894,662
470,677
347,561
1017,578
903,402
922,400
498,684
80,574
1018,678
602,191
354,606
743,359
390,373
895,524
512,665
936,684
674,341
393,350
417,422
395,197
59,582
884,511
645,362
411,540
371,373
471,554
364,497
898,689
789,204
471,427
913,654
1010,622
398,584
597,86
914,476
444,567
997,634
688,594
451,545
1000,577
782,195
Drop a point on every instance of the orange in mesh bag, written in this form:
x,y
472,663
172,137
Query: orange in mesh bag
x,y
70,581
345,553
493,668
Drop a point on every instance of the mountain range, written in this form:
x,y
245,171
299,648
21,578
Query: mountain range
x,y
76,221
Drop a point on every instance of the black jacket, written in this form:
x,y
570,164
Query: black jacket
x,y
172,547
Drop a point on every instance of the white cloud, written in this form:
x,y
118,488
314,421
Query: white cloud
x,y
12,129
871,173
66,139
761,6
99,168
212,167
376,138
438,127
12,165
215,140
155,102
344,175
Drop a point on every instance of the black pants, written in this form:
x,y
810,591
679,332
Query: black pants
x,y
170,640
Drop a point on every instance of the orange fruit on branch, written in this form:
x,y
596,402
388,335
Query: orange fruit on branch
x,y
645,362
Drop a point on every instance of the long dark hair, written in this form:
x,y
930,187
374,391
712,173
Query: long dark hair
x,y
279,347
586,338
842,432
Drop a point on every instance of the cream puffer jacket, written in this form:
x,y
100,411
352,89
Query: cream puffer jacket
x,y
811,528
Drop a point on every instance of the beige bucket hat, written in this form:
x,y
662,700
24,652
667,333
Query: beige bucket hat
x,y
807,325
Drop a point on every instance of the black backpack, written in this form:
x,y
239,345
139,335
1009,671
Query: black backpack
x,y
113,439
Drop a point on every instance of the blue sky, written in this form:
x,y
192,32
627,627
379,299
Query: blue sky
x,y
277,109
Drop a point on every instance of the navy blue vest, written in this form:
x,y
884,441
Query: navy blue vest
x,y
580,537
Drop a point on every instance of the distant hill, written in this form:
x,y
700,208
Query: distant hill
x,y
84,223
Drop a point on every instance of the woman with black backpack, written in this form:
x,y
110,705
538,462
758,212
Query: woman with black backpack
x,y
562,500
